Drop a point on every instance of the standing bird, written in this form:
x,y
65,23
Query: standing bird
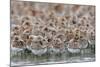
x,y
17,45
37,46
73,47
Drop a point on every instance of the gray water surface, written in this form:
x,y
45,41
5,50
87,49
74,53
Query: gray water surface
x,y
30,59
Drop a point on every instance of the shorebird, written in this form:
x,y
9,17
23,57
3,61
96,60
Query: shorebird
x,y
73,47
37,46
59,10
27,25
83,43
56,46
16,29
17,44
25,36
29,41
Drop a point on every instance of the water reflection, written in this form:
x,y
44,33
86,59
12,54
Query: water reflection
x,y
30,59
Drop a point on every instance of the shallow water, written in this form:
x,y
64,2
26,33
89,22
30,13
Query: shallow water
x,y
30,59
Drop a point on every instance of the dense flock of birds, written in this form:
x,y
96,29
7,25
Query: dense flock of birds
x,y
52,28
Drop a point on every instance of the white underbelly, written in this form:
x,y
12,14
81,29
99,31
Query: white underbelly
x,y
74,50
39,51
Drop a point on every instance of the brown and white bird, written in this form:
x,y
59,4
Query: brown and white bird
x,y
38,47
57,46
17,44
16,29
29,41
73,47
27,25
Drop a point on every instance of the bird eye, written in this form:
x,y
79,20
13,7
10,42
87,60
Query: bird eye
x,y
15,34
16,38
51,24
49,40
81,36
40,42
87,25
27,37
16,28
27,23
46,29
74,22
